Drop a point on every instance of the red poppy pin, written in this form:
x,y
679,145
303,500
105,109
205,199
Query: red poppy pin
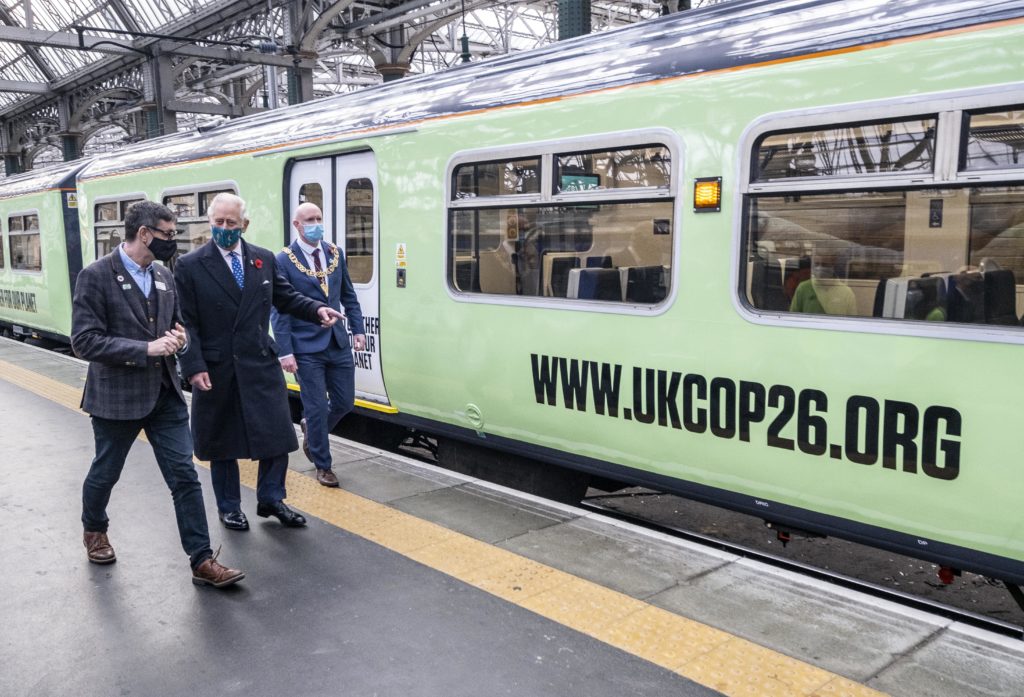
x,y
258,263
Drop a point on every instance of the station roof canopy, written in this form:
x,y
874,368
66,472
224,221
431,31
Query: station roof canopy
x,y
33,35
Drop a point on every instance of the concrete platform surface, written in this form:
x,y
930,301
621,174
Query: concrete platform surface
x,y
416,580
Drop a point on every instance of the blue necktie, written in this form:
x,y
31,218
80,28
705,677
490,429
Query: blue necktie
x,y
236,269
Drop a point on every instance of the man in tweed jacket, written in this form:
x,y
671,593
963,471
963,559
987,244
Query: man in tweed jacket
x,y
126,323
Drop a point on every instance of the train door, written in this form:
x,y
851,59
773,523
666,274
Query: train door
x,y
345,189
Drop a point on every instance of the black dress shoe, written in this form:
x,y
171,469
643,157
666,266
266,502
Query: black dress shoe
x,y
288,517
235,520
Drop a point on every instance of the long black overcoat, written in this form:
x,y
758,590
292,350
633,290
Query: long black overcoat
x,y
245,414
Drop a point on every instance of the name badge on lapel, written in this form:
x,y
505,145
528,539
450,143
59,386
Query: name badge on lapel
x,y
160,285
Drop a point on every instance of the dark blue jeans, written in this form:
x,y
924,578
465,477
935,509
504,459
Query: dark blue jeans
x,y
269,482
167,429
328,390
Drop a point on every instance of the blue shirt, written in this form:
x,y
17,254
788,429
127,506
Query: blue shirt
x,y
141,275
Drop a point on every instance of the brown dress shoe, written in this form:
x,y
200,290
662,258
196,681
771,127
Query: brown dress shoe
x,y
305,445
212,573
97,546
327,478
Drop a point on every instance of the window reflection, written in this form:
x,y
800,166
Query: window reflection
x,y
847,151
995,140
951,254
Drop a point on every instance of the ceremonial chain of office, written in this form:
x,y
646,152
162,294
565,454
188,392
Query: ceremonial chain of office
x,y
309,272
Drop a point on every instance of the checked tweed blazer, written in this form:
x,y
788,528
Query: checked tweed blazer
x,y
110,328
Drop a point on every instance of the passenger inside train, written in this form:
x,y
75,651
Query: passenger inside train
x,y
951,254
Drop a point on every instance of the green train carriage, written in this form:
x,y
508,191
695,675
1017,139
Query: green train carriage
x,y
40,255
826,341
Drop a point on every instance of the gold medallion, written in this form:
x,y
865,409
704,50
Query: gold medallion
x,y
320,275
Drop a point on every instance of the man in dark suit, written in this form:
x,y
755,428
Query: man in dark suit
x,y
125,322
239,402
322,357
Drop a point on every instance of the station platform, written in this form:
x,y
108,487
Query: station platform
x,y
411,580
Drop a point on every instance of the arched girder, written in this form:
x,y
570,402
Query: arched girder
x,y
94,98
251,91
322,22
95,127
184,65
431,27
34,151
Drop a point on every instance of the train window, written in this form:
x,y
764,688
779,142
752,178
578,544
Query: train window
x,y
619,252
107,212
23,240
888,254
600,228
3,262
126,204
852,150
996,229
995,140
639,167
190,209
109,224
312,193
206,197
182,205
502,178
359,229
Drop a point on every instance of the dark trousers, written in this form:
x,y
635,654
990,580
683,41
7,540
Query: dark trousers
x,y
328,391
167,429
269,482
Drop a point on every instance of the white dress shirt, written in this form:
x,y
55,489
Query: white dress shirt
x,y
308,251
226,254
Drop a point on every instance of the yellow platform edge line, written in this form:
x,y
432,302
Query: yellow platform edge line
x,y
708,656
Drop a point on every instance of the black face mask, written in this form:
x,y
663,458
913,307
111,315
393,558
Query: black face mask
x,y
163,250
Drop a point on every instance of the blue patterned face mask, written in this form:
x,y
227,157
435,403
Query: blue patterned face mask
x,y
225,238
314,232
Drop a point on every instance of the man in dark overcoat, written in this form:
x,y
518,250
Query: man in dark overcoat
x,y
239,400
126,323
321,357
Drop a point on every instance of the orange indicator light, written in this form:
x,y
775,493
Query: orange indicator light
x,y
707,194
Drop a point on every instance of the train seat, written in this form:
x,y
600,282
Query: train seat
x,y
1000,297
644,284
966,298
595,284
467,275
558,274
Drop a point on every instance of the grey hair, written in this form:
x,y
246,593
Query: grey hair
x,y
226,197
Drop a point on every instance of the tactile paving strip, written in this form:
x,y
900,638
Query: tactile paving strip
x,y
703,654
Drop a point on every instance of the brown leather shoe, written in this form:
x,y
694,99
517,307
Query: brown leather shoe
x,y
97,546
212,573
305,444
327,478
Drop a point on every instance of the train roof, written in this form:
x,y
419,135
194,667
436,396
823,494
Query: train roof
x,y
716,37
56,176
